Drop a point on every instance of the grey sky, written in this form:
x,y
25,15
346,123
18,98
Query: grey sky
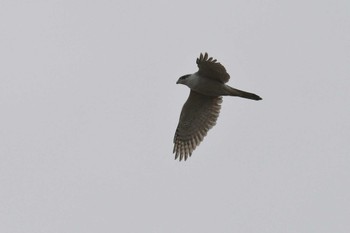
x,y
89,107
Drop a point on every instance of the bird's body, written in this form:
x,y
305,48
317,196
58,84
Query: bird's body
x,y
206,86
202,108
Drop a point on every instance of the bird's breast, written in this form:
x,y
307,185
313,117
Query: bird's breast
x,y
206,86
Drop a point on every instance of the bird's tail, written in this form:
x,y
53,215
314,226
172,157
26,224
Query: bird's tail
x,y
243,94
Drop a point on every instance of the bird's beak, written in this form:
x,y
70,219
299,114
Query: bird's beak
x,y
177,82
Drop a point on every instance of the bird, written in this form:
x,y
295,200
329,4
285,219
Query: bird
x,y
201,110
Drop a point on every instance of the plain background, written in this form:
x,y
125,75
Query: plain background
x,y
89,107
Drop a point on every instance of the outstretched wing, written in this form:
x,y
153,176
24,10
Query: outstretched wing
x,y
210,68
198,115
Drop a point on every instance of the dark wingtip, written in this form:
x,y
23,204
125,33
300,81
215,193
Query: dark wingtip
x,y
202,57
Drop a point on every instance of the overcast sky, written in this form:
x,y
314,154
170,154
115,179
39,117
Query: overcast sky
x,y
89,107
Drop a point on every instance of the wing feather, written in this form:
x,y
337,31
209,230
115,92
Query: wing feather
x,y
210,68
198,116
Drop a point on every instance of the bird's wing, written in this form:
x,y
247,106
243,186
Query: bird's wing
x,y
210,68
198,115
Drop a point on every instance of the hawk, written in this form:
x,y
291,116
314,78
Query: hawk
x,y
202,108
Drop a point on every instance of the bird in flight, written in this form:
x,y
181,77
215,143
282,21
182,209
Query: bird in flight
x,y
202,108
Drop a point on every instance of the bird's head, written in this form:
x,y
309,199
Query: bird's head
x,y
183,79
